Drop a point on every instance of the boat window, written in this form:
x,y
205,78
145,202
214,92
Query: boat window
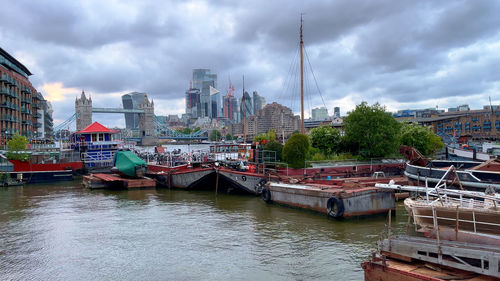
x,y
101,137
94,137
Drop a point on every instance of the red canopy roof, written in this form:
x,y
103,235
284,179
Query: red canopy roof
x,y
96,128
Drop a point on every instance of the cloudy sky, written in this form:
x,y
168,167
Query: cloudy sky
x,y
403,54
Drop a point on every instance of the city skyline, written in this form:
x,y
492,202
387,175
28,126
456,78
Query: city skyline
x,y
118,48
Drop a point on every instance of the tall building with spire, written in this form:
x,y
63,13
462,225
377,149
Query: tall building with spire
x,y
246,105
83,108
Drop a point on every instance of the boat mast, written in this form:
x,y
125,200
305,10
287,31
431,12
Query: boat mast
x,y
243,107
302,130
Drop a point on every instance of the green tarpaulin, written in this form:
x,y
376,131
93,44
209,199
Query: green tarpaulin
x,y
127,161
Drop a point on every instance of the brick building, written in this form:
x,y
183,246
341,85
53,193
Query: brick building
x,y
273,116
23,110
482,124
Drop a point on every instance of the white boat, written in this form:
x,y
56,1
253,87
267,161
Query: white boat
x,y
456,215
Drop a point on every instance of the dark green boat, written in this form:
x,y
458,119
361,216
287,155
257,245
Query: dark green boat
x,y
130,165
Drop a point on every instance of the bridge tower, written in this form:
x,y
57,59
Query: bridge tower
x,y
83,108
146,119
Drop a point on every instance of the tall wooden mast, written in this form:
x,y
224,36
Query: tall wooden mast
x,y
302,130
243,107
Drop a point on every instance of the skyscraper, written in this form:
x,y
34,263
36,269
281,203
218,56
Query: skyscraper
x,y
336,111
193,106
246,104
203,80
132,101
319,114
216,103
258,102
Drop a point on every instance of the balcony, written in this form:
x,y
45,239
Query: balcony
x,y
4,91
4,78
10,118
26,100
8,80
27,122
36,105
37,125
38,96
37,115
26,110
26,90
9,105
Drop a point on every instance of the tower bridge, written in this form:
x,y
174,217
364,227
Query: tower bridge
x,y
149,124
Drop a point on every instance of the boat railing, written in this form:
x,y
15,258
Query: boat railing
x,y
98,157
354,162
458,221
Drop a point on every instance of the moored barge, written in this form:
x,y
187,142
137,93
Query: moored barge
x,y
346,199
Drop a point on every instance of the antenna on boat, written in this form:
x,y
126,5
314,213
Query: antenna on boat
x,y
244,112
302,130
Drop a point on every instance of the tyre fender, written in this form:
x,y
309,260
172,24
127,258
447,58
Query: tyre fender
x,y
266,195
335,207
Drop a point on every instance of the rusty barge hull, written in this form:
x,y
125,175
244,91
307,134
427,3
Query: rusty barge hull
x,y
192,178
351,202
245,181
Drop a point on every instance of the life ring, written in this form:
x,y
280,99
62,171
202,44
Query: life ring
x,y
335,207
266,195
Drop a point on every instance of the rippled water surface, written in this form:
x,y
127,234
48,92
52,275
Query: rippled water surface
x,y
64,232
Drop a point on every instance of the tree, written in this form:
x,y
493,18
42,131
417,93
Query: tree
x,y
420,137
215,135
229,137
269,136
16,146
326,139
196,129
295,150
185,131
276,147
370,131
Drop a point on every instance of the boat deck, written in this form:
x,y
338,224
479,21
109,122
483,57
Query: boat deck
x,y
96,181
477,258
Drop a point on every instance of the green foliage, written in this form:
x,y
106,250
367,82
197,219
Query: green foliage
x,y
215,135
370,131
421,138
325,138
185,131
295,150
269,136
15,148
196,129
274,146
229,137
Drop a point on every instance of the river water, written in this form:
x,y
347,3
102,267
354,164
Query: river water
x,y
64,232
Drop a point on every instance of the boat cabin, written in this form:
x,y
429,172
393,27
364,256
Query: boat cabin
x,y
95,136
97,145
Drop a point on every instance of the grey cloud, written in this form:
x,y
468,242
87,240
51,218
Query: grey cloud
x,y
152,46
